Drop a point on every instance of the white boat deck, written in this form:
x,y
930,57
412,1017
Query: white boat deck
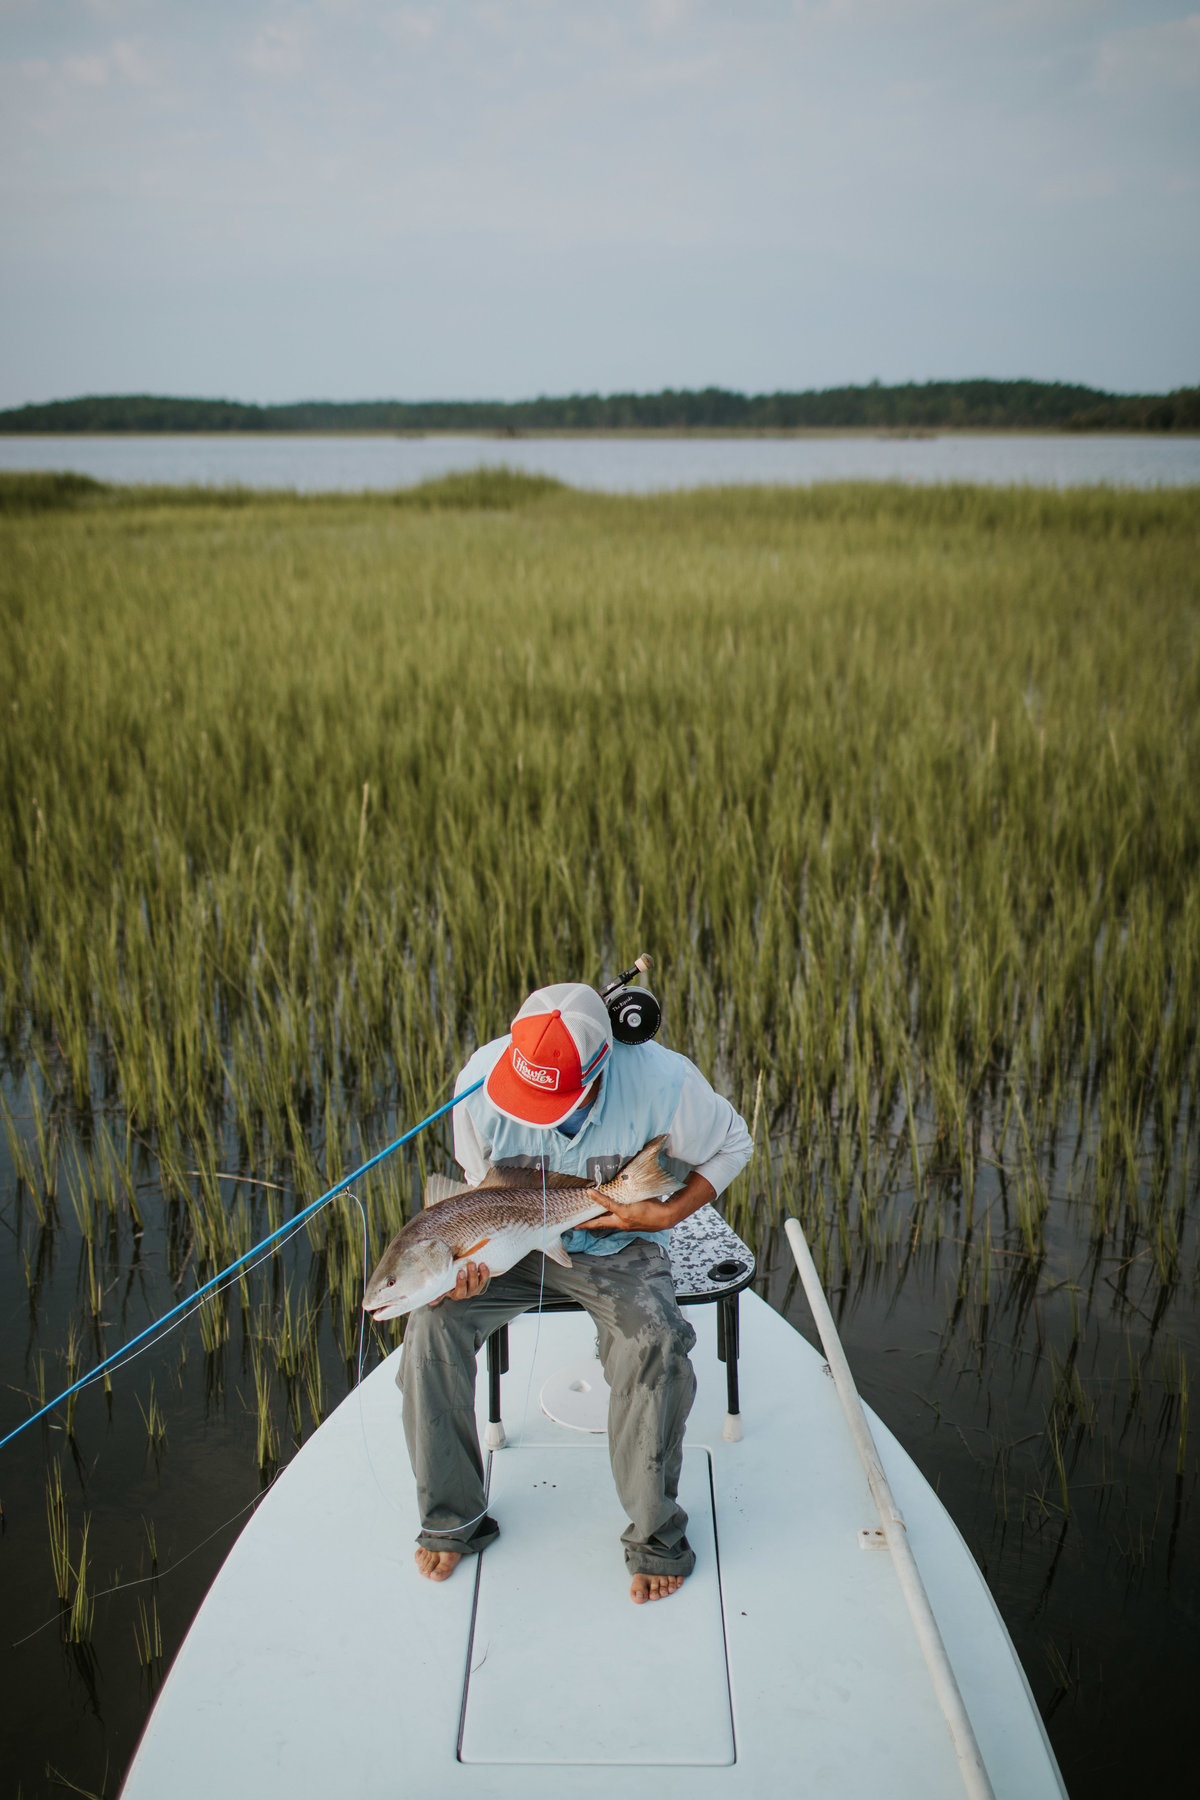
x,y
321,1663
548,1587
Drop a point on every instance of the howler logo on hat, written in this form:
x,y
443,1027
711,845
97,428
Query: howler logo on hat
x,y
560,1040
535,1076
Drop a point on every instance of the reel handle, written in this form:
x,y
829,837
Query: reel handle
x,y
642,966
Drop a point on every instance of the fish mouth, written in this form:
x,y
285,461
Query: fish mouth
x,y
377,1304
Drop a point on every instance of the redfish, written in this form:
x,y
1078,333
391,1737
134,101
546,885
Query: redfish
x,y
497,1223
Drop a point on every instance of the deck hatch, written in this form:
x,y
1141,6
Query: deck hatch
x,y
563,1668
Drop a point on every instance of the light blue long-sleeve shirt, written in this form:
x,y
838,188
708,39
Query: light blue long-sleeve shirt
x,y
646,1091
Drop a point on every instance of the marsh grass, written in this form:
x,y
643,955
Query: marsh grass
x,y
901,787
70,1568
154,1419
147,1634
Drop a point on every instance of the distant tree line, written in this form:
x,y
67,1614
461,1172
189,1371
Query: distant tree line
x,y
930,405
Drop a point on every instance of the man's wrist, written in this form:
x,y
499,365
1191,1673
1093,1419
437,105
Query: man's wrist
x,y
657,1215
695,1193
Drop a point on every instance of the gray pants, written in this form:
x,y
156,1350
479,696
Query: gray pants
x,y
644,1343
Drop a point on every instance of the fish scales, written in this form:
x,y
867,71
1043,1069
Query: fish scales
x,y
482,1212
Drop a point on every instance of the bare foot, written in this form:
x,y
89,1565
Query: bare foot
x,y
653,1587
436,1565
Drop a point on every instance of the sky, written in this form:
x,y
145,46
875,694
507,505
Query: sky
x,y
351,199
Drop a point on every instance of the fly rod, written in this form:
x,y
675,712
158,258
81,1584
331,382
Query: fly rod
x,y
272,1237
941,1672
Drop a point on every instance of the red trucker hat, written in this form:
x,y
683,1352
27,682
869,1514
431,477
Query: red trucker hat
x,y
561,1039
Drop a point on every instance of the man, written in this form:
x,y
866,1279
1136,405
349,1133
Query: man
x,y
559,1088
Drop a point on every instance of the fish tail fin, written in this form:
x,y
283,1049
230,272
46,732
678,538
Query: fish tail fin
x,y
645,1173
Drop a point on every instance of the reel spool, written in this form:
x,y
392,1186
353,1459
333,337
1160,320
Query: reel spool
x,y
633,1012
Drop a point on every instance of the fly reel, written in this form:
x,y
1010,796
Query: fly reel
x,y
633,1012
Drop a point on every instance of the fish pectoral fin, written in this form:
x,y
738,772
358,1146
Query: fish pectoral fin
x,y
462,1255
557,1254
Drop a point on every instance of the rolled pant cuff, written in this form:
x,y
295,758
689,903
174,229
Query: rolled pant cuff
x,y
650,1562
472,1543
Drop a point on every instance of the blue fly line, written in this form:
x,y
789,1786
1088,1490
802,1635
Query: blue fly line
x,y
281,1231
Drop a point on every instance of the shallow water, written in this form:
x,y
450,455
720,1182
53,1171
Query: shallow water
x,y
632,465
1095,1564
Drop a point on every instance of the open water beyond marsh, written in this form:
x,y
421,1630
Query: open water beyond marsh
x,y
903,792
312,464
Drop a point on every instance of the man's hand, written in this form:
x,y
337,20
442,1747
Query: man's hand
x,y
472,1280
642,1215
653,1215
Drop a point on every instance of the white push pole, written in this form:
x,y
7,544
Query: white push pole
x,y
962,1735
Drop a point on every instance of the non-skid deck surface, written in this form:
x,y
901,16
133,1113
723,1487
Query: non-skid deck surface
x,y
321,1664
563,1667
